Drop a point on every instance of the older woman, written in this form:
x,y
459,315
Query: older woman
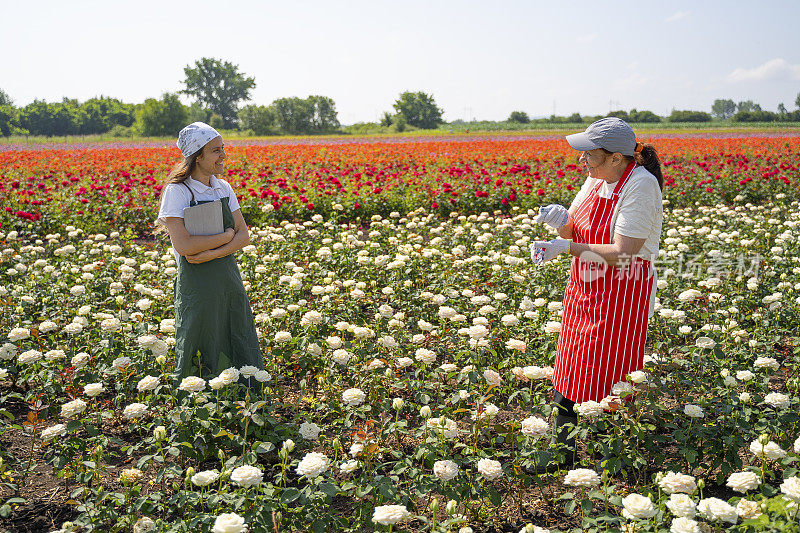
x,y
212,312
612,231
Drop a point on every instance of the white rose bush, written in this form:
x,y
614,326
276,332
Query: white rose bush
x,y
408,351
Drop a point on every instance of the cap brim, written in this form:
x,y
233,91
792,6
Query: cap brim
x,y
580,141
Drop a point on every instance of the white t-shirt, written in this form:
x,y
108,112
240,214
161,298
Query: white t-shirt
x,y
638,212
176,196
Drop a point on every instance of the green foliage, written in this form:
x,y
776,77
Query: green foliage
x,y
258,118
315,114
418,109
218,86
520,117
723,109
621,114
9,121
643,116
197,113
5,99
797,101
386,119
689,116
163,117
747,105
754,116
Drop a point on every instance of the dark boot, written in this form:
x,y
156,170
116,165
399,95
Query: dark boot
x,y
546,461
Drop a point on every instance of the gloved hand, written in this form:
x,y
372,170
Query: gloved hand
x,y
544,251
554,215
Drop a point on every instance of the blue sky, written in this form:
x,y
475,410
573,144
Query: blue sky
x,y
479,59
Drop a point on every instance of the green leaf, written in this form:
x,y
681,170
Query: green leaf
x,y
329,488
289,495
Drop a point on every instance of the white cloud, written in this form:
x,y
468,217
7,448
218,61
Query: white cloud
x,y
777,69
587,38
678,15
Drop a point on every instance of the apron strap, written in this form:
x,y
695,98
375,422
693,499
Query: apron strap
x,y
192,203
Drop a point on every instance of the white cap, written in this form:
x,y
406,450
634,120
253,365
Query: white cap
x,y
193,137
611,133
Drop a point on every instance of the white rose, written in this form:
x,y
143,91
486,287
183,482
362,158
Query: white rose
x,y
589,409
534,427
192,384
205,478
445,470
247,476
637,506
490,469
93,389
18,334
29,356
387,515
341,357
309,431
552,327
582,477
744,375
425,356
684,525
534,372
673,482
229,523
516,344
313,464
353,397
770,451
747,509
492,377
248,371
791,488
53,431
147,383
777,400
681,505
134,410
694,411
73,408
713,509
743,481
348,466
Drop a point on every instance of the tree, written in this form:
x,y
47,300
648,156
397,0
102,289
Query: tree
x,y
643,116
5,99
747,105
219,86
797,101
161,118
621,114
9,121
324,117
574,118
520,117
258,118
42,118
293,115
689,116
782,109
723,109
386,119
418,109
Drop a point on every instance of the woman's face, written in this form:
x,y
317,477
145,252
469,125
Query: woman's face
x,y
212,157
599,164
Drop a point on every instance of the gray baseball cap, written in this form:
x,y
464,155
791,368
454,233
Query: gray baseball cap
x,y
611,133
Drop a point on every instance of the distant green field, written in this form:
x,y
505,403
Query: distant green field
x,y
470,128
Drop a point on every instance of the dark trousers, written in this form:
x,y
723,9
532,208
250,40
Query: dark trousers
x,y
565,407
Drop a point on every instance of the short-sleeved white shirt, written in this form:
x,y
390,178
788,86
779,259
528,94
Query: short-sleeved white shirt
x,y
176,196
638,213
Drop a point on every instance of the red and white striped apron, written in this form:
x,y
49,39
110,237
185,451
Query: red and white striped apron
x,y
604,324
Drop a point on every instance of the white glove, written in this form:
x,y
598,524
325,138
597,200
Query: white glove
x,y
544,251
554,215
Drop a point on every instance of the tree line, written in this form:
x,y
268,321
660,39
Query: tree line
x,y
722,109
218,88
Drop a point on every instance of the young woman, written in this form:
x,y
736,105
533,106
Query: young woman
x,y
212,311
612,230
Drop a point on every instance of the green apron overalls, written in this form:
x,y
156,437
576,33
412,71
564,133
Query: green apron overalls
x,y
213,316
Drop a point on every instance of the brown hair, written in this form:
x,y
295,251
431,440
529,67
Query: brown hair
x,y
648,158
180,172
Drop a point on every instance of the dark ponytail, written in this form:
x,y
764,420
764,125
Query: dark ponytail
x,y
648,158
